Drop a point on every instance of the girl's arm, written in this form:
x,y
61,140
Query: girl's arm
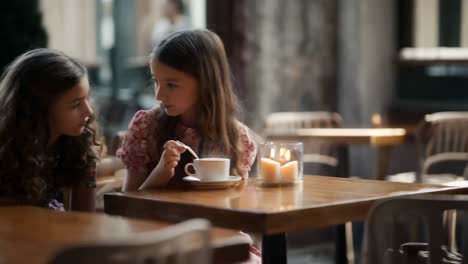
x,y
84,192
134,179
137,147
83,198
138,175
138,179
249,152
165,169
155,179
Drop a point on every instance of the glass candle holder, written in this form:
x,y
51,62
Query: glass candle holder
x,y
280,163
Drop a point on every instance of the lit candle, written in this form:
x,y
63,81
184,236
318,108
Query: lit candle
x,y
376,120
290,171
282,155
270,170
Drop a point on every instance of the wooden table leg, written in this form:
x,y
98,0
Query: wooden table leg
x,y
274,249
340,245
383,161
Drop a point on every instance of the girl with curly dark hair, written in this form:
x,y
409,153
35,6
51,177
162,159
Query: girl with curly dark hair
x,y
47,134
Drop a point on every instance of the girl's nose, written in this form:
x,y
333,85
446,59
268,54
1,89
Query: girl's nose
x,y
88,109
159,93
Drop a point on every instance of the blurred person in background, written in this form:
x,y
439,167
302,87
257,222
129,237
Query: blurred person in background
x,y
173,19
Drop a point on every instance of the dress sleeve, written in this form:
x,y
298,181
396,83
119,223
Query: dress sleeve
x,y
249,149
136,151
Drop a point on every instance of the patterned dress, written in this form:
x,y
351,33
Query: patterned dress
x,y
57,195
140,152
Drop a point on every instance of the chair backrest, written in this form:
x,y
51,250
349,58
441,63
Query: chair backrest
x,y
385,224
294,120
443,138
186,242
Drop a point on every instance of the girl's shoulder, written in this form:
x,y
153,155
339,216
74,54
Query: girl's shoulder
x,y
144,120
246,135
146,116
244,130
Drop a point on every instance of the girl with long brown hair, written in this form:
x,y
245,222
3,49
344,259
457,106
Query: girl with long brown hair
x,y
198,107
46,132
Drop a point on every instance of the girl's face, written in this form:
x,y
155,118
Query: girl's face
x,y
71,111
177,91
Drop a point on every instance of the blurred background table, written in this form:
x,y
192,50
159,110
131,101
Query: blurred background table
x,y
384,139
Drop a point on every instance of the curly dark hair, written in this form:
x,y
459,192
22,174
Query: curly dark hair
x,y
28,166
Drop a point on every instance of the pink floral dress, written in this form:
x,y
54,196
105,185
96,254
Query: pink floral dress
x,y
140,153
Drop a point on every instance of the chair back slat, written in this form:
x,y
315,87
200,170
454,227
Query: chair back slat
x,y
388,246
295,120
184,243
443,134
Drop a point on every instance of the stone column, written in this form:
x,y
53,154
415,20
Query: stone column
x,y
366,76
290,57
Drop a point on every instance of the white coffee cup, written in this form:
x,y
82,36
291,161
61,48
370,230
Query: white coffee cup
x,y
209,169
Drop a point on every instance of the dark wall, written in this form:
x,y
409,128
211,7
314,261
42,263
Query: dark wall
x,y
21,29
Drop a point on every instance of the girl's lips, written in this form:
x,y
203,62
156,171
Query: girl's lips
x,y
84,123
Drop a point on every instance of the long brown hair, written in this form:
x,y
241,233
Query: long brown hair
x,y
201,54
29,86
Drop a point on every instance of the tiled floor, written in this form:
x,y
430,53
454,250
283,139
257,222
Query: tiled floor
x,y
318,246
317,254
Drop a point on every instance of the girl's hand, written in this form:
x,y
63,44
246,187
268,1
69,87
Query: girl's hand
x,y
169,159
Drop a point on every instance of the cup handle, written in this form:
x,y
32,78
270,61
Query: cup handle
x,y
186,167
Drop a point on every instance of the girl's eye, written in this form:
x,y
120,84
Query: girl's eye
x,y
171,85
76,105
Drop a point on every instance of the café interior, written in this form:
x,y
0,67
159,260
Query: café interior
x,y
359,110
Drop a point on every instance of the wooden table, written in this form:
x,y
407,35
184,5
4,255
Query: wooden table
x,y
382,138
32,234
318,202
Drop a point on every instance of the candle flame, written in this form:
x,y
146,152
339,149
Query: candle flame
x,y
282,151
287,155
376,120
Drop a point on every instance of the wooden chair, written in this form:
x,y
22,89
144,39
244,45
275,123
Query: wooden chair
x,y
443,139
387,243
186,242
442,145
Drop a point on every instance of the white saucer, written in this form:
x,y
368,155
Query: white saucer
x,y
225,183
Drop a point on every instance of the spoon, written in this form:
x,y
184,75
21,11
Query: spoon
x,y
187,148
